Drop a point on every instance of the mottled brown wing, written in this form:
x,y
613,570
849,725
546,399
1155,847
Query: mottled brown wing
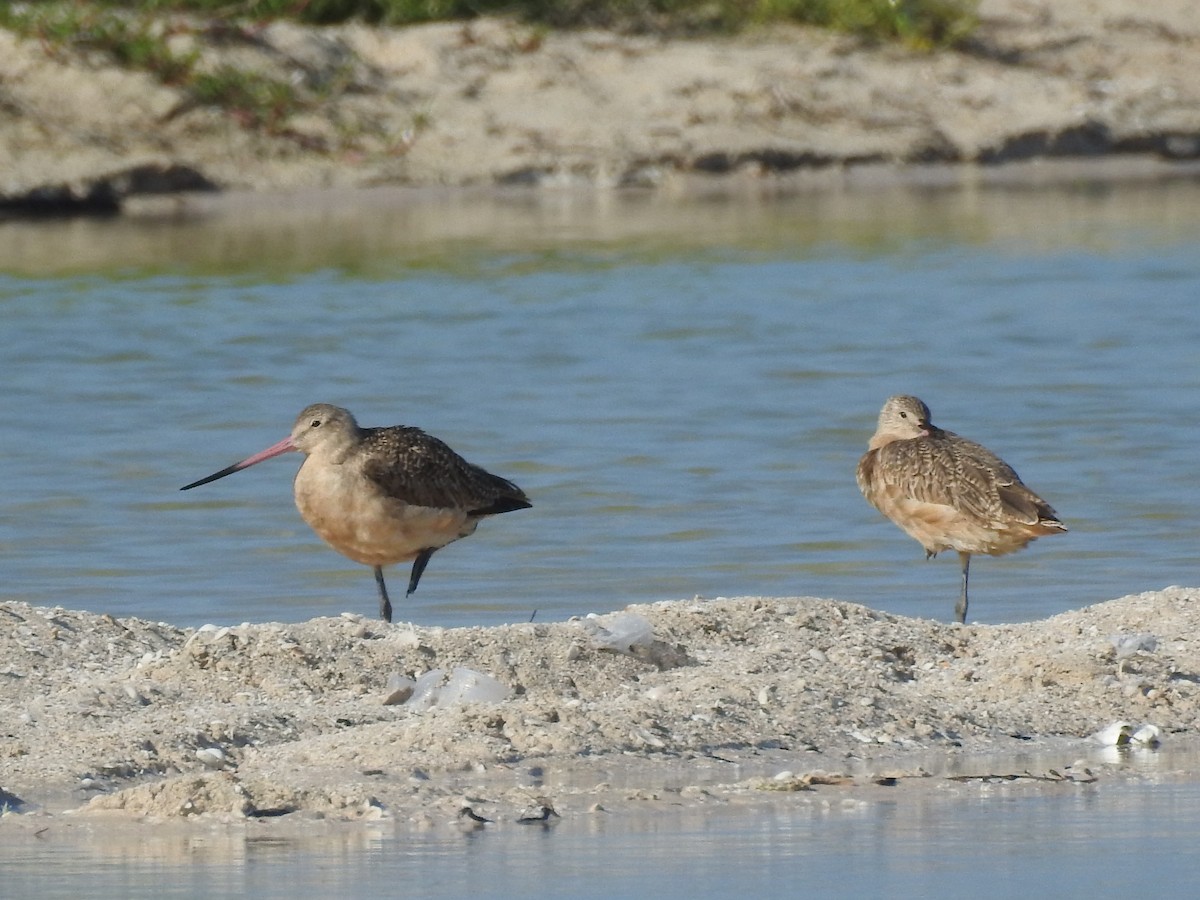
x,y
989,485
952,470
917,469
420,470
1023,504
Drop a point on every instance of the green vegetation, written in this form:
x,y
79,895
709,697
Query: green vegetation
x,y
135,43
146,42
157,36
257,100
923,23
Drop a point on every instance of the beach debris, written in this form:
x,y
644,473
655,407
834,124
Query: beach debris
x,y
625,633
1146,737
468,686
10,803
1115,735
1127,645
648,738
541,814
134,695
631,634
788,780
399,689
1123,734
1084,776
469,816
212,757
462,686
425,690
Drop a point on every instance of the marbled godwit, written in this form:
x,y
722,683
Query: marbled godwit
x,y
946,492
384,495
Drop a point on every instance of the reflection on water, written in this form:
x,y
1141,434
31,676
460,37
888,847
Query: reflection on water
x,y
986,839
683,387
386,232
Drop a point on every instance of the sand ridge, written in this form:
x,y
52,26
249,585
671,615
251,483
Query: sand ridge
x,y
137,719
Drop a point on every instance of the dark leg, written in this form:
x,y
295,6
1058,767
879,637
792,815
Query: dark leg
x,y
419,565
385,605
960,608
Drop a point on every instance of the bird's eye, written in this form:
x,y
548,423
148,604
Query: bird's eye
x,y
903,415
316,423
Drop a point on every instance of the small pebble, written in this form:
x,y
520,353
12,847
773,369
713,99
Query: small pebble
x,y
212,757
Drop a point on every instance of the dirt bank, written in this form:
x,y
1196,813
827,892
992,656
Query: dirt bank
x,y
494,102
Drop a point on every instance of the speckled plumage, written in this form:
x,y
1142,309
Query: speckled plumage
x,y
420,470
948,492
384,495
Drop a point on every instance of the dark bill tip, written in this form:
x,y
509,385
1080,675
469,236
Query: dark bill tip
x,y
213,477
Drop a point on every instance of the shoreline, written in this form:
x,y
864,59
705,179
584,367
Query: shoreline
x,y
134,721
1054,173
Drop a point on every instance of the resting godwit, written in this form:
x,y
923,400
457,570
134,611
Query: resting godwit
x,y
384,495
947,492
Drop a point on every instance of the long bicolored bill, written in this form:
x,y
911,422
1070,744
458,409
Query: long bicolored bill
x,y
274,450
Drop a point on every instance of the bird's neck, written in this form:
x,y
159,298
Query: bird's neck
x,y
882,439
335,452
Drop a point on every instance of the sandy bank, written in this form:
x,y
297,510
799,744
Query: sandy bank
x,y
303,721
494,102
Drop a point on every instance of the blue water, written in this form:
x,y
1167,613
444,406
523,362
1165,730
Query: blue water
x,y
684,403
1107,840
683,388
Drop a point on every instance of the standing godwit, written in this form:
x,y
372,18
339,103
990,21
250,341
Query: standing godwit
x,y
946,492
384,495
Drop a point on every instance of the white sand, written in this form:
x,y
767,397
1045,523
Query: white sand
x,y
496,102
106,716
